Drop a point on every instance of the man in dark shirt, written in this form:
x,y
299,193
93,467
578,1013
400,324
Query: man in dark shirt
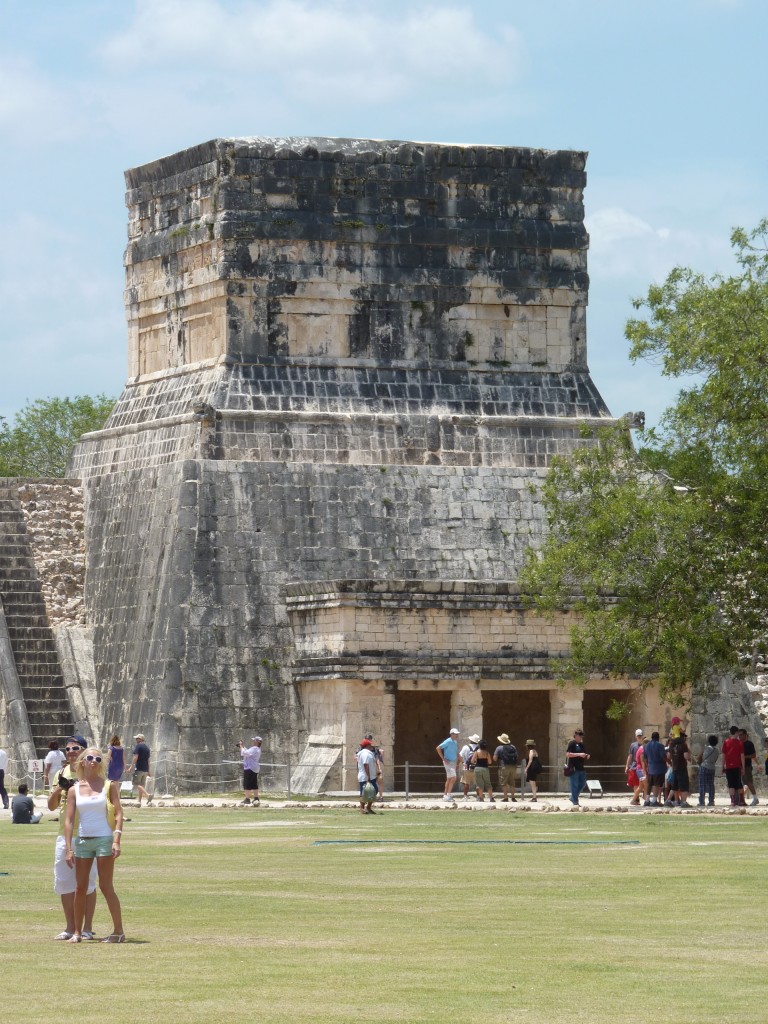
x,y
655,758
679,756
750,762
576,758
140,767
23,808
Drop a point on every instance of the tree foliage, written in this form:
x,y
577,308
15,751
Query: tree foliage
x,y
40,440
662,550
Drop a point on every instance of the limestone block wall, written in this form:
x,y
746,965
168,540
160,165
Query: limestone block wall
x,y
338,248
349,360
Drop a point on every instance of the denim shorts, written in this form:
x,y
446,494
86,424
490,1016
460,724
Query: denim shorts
x,y
95,846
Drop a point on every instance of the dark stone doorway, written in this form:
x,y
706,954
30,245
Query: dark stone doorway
x,y
422,720
522,714
607,740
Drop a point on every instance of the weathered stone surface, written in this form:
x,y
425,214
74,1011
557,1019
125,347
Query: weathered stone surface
x,y
350,360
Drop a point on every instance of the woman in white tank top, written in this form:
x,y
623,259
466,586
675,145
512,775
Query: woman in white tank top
x,y
87,805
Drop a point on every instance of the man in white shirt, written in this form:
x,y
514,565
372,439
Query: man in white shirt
x,y
366,772
54,762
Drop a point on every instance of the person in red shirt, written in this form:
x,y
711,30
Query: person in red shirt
x,y
733,765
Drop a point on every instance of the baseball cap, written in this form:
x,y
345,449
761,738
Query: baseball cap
x,y
139,736
638,732
78,740
454,732
255,739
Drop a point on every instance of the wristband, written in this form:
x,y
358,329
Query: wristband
x,y
118,832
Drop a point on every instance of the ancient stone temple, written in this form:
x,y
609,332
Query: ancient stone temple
x,y
349,361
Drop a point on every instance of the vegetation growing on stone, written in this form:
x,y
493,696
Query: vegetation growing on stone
x,y
662,550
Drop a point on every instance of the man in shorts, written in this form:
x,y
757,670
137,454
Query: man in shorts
x,y
505,756
733,766
467,768
251,761
64,875
655,760
448,752
140,767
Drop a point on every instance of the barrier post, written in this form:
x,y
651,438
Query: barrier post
x,y
288,780
407,779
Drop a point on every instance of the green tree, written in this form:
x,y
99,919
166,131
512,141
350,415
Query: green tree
x,y
40,440
663,550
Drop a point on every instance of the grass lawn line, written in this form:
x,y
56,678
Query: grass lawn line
x,y
222,919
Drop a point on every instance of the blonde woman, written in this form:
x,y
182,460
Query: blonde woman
x,y
90,798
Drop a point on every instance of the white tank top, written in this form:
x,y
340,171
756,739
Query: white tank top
x,y
93,814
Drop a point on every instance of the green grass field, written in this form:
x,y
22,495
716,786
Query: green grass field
x,y
319,915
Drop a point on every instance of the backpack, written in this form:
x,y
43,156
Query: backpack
x,y
509,753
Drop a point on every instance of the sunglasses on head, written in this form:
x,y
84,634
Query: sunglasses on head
x,y
72,750
93,758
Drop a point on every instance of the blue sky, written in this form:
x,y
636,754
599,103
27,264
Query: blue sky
x,y
664,95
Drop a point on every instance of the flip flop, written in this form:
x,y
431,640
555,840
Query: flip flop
x,y
114,938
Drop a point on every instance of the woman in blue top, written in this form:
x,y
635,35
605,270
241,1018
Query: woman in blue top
x,y
116,759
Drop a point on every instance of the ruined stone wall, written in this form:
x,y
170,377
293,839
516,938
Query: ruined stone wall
x,y
55,521
349,359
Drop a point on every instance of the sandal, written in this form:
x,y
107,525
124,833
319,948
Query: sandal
x,y
114,938
88,936
75,938
63,936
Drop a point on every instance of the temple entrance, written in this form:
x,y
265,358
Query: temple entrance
x,y
422,720
607,740
522,714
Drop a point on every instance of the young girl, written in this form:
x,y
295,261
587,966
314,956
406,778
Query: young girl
x,y
90,798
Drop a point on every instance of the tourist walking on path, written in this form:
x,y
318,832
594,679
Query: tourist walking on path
x,y
481,759
505,755
533,768
750,763
64,880
3,769
54,762
448,752
576,758
251,763
468,768
366,776
96,802
140,767
116,766
707,761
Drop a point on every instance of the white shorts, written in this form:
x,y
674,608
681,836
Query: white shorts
x,y
64,875
450,770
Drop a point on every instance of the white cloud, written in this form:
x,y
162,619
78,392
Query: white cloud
x,y
319,53
625,245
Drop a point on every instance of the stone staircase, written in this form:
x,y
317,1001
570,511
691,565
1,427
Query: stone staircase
x,y
32,641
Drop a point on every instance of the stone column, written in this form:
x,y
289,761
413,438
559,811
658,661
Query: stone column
x,y
567,715
467,710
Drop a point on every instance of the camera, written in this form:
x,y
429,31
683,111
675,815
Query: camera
x,y
64,783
